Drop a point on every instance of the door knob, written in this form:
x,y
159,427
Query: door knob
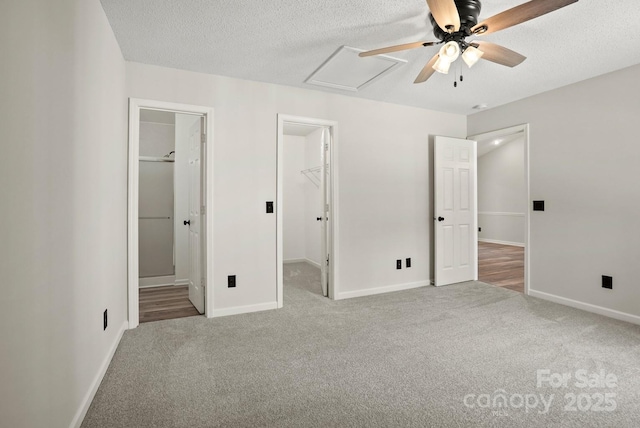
x,y
187,222
440,218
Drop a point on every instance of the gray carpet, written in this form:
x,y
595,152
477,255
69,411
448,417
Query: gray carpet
x,y
401,359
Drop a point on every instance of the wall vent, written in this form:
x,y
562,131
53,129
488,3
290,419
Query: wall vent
x,y
346,71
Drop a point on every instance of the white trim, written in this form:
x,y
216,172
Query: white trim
x,y
91,393
135,105
381,290
237,310
333,246
611,313
156,286
524,129
157,281
181,282
496,241
308,261
491,213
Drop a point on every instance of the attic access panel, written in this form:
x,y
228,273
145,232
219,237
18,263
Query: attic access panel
x,y
345,70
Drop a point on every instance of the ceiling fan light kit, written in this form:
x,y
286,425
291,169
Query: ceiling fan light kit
x,y
449,52
471,55
455,20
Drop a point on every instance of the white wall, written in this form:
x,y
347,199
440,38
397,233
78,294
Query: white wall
x,y
384,196
584,164
312,201
156,139
502,197
63,206
294,185
181,207
156,201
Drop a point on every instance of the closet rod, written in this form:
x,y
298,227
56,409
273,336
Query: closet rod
x,y
154,159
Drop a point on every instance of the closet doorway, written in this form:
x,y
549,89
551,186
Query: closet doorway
x,y
306,211
168,194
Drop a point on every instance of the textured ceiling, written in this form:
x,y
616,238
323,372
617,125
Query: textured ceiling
x,y
284,41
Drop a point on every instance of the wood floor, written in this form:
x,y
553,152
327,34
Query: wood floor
x,y
165,303
501,265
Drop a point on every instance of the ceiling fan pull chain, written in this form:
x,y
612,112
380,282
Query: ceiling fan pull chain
x,y
455,78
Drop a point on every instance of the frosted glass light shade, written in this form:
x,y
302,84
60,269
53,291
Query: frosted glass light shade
x,y
471,55
442,65
450,51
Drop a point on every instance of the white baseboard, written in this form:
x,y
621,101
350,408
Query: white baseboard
x,y
182,282
88,398
500,214
157,281
496,241
611,313
311,262
244,309
380,290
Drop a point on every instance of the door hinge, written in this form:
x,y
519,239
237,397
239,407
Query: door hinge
x,y
203,210
203,138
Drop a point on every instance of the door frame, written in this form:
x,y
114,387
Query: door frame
x,y
332,245
135,105
505,132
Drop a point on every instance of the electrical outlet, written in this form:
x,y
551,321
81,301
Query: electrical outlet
x,y
398,264
479,229
270,207
607,282
231,281
105,320
538,205
408,262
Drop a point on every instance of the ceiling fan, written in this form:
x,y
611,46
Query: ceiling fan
x,y
455,20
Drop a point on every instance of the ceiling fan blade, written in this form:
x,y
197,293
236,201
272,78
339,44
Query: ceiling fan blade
x,y
445,13
396,48
427,71
519,14
499,54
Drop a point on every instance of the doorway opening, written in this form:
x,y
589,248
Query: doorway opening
x,y
306,212
503,213
169,211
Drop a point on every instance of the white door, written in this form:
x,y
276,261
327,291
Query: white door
x,y
196,280
325,188
455,211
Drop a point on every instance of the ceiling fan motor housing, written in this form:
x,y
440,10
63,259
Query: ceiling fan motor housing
x,y
469,11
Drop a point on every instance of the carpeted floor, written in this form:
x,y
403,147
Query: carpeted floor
x,y
429,357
